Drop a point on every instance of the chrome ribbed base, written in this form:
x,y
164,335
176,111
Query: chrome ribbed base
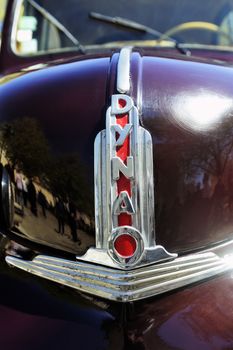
x,y
121,285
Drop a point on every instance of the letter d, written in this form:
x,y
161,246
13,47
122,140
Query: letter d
x,y
116,107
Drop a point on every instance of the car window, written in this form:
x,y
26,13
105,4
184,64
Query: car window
x,y
2,15
38,31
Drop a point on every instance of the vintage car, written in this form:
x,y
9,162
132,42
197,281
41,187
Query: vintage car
x,y
116,191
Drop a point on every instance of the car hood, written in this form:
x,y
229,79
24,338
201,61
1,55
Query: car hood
x,y
187,108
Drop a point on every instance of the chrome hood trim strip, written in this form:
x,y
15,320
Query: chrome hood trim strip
x,y
118,285
123,70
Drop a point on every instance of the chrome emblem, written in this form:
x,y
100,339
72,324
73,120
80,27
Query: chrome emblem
x,y
124,190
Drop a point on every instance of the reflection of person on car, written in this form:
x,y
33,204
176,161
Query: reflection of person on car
x,y
32,197
25,191
43,202
73,221
60,211
19,187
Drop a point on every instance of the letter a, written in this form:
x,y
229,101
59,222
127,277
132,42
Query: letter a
x,y
123,204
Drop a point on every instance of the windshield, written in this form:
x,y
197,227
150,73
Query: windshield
x,y
188,22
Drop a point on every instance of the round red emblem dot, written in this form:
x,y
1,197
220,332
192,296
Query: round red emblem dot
x,y
125,245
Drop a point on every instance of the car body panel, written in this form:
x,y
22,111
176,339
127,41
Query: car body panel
x,y
178,131
67,95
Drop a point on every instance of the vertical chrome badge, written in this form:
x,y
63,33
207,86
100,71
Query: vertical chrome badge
x,y
124,190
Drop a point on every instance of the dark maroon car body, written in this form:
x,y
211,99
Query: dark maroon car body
x,y
68,96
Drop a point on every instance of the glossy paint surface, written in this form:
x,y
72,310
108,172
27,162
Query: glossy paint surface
x,y
53,115
185,105
42,316
199,317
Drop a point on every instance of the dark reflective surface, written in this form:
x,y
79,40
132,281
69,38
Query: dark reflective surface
x,y
43,315
48,190
47,146
47,149
47,143
189,114
194,318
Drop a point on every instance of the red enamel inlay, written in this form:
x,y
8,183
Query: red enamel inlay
x,y
123,184
122,103
125,245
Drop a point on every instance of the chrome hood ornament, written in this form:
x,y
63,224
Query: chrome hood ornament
x,y
124,189
126,264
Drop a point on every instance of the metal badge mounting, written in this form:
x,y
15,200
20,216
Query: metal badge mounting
x,y
124,189
124,199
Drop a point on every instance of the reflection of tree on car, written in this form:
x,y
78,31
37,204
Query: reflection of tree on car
x,y
49,176
203,192
26,146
